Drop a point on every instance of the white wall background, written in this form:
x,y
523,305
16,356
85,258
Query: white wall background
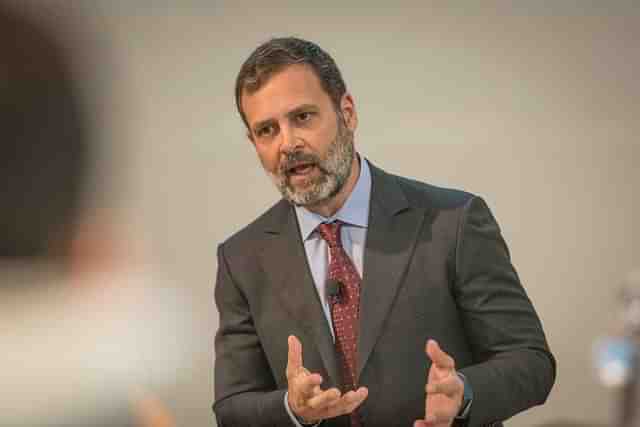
x,y
535,106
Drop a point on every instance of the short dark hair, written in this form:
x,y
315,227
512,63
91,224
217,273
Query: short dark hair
x,y
278,53
44,141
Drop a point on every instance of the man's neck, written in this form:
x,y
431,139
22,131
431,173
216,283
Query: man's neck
x,y
329,207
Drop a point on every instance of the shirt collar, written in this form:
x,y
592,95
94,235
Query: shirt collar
x,y
355,210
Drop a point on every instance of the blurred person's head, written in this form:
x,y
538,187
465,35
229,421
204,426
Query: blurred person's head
x,y
69,356
45,148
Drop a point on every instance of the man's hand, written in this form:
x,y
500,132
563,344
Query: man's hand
x,y
307,400
444,388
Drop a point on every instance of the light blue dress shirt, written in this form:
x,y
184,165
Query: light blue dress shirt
x,y
355,216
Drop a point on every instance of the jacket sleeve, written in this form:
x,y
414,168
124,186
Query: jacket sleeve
x,y
514,368
245,390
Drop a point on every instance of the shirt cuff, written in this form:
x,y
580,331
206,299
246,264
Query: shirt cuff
x,y
294,419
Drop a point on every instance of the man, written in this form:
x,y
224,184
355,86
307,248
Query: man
x,y
362,298
76,349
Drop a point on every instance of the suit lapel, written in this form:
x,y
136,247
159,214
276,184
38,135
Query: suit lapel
x,y
286,263
391,235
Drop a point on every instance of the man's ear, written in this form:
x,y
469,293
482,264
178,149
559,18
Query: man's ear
x,y
348,108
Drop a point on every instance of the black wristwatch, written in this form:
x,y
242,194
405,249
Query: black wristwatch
x,y
467,399
305,424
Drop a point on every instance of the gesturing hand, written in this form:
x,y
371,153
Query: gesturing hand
x,y
444,388
305,397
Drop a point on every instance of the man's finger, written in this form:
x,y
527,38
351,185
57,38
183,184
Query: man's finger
x,y
307,385
347,403
324,399
439,417
450,386
294,359
355,398
317,390
425,423
438,357
431,421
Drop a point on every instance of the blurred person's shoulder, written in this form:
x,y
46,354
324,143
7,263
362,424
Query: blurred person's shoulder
x,y
87,350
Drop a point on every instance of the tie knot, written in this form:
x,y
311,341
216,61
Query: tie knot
x,y
331,233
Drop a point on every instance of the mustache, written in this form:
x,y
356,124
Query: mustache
x,y
297,157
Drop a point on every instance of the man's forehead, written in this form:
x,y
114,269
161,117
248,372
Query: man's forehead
x,y
284,91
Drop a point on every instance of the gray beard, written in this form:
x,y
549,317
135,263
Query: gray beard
x,y
335,169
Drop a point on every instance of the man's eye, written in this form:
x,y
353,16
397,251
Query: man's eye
x,y
304,116
265,131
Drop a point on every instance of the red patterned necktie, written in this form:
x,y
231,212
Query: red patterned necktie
x,y
345,307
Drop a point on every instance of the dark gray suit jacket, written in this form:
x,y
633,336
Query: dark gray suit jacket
x,y
435,266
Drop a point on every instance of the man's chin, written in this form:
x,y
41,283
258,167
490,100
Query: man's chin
x,y
301,188
301,197
313,196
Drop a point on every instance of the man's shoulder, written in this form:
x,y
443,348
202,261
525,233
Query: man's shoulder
x,y
421,194
252,234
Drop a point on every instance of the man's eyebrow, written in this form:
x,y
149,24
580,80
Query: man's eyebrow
x,y
299,109
302,108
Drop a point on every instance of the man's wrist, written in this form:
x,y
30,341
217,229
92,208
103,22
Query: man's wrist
x,y
299,422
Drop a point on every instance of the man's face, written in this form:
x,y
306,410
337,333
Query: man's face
x,y
303,144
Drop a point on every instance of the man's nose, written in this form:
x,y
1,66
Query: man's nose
x,y
290,140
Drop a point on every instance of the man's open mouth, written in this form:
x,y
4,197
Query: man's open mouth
x,y
301,169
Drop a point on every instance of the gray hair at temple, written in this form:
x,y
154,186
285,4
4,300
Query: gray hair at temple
x,y
44,139
276,54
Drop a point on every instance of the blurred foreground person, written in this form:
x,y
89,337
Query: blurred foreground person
x,y
618,356
617,360
83,338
